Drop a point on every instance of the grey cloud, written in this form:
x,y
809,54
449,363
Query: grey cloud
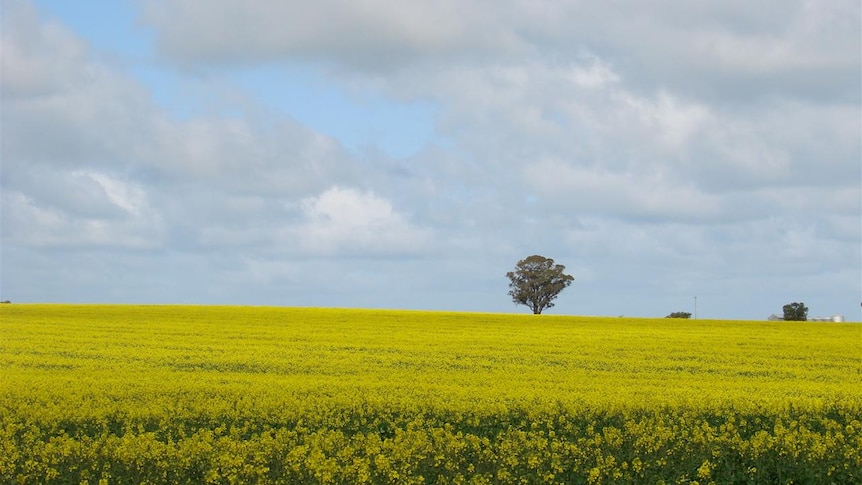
x,y
28,223
38,56
62,108
74,192
367,34
717,98
728,50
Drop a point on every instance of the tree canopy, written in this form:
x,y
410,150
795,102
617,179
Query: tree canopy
x,y
796,311
536,282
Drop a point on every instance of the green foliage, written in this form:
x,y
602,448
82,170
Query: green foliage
x,y
513,446
679,315
536,282
795,312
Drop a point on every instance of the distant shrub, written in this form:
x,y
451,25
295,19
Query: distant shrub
x,y
679,315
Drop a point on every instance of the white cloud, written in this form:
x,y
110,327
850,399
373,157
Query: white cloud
x,y
128,197
348,221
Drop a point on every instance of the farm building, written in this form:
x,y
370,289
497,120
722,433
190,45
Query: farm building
x,y
834,318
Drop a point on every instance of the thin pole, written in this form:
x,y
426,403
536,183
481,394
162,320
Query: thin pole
x,y
695,308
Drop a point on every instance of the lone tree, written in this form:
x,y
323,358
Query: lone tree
x,y
536,282
795,312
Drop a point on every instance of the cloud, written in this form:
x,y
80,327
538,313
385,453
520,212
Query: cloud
x,y
88,157
37,55
366,34
656,149
93,210
729,49
53,89
348,221
645,197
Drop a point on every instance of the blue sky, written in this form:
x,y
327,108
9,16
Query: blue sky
x,y
361,121
347,154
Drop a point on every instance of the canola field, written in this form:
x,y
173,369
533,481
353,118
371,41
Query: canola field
x,y
237,395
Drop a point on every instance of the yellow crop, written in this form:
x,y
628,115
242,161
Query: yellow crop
x,y
206,394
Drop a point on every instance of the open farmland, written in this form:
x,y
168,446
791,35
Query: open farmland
x,y
205,394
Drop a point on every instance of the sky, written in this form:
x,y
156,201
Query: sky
x,y
690,156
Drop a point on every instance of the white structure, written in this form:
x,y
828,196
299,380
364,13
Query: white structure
x,y
833,318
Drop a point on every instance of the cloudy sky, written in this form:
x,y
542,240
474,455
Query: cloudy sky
x,y
364,153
